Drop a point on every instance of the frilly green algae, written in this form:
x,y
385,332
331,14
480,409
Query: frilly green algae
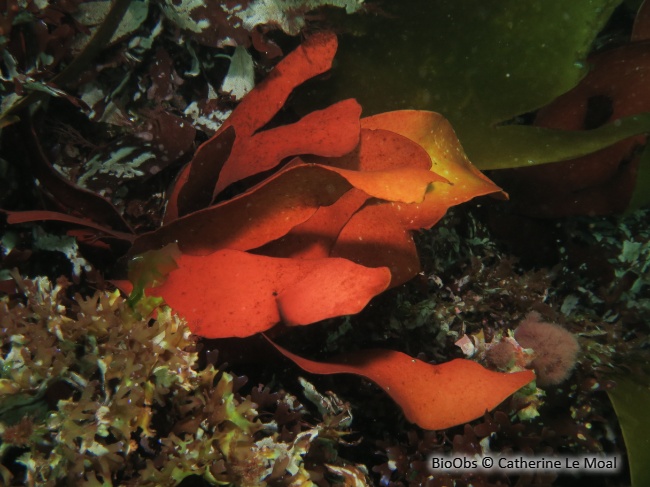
x,y
93,394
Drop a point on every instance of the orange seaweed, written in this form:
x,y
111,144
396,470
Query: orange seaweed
x,y
271,209
434,397
311,58
333,131
319,235
230,293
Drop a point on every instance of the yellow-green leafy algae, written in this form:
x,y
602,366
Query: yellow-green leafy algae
x,y
482,64
93,394
150,269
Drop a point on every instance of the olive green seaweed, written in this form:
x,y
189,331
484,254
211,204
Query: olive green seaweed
x,y
631,400
481,65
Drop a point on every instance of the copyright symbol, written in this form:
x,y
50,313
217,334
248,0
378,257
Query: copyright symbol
x,y
487,462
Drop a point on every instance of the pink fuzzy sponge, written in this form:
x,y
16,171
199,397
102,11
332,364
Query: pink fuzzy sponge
x,y
556,349
501,355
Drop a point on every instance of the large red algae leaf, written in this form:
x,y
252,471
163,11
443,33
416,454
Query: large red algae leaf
x,y
29,216
271,209
434,133
312,57
381,154
406,185
172,210
236,294
374,237
434,397
315,238
333,131
386,165
265,213
436,136
379,150
462,181
196,182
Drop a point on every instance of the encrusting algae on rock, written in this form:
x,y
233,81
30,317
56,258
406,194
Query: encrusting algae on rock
x,y
92,393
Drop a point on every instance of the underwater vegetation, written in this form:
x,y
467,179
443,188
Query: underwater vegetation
x,y
257,185
95,394
319,266
585,93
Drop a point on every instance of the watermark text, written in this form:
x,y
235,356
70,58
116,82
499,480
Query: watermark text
x,y
518,464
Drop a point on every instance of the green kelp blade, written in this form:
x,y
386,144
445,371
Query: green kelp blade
x,y
631,400
513,146
477,63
